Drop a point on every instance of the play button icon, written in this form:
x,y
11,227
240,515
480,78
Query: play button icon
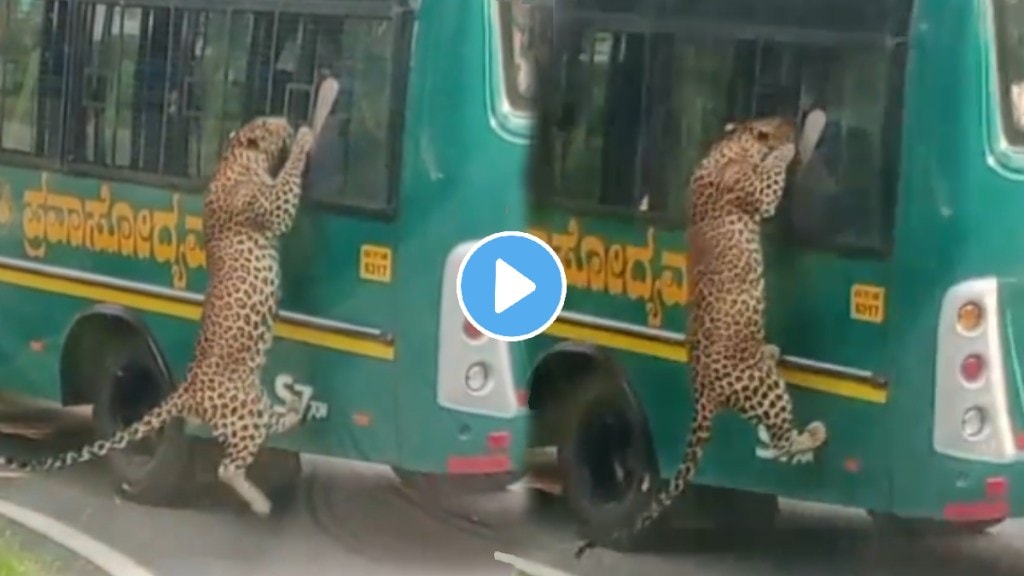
x,y
511,286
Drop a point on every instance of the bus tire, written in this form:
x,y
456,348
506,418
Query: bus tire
x,y
920,528
607,463
130,380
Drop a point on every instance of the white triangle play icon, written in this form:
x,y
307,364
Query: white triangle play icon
x,y
510,286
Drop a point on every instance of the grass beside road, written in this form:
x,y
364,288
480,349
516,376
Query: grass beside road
x,y
15,561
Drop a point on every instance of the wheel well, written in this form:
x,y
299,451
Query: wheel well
x,y
557,375
91,333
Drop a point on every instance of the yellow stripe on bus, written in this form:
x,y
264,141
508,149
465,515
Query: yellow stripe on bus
x,y
191,311
676,352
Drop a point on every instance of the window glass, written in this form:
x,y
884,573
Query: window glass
x,y
1009,19
633,113
525,29
20,50
157,90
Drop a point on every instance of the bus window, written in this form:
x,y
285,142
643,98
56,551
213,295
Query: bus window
x,y
19,88
633,113
352,162
1009,19
525,39
598,103
842,195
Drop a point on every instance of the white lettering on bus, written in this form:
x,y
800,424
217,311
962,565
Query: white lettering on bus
x,y
285,387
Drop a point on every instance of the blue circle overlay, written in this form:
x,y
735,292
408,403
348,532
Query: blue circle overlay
x,y
527,255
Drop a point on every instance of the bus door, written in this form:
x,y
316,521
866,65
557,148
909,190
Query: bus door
x,y
340,70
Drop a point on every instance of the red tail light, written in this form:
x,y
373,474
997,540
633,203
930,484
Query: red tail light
x,y
471,332
972,368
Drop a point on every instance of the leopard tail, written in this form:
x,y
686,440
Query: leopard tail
x,y
173,406
699,436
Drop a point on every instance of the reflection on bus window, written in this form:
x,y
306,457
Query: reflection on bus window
x,y
525,39
21,33
1009,18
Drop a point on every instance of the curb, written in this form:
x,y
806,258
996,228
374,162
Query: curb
x,y
104,557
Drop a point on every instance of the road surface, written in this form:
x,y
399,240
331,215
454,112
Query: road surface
x,y
355,519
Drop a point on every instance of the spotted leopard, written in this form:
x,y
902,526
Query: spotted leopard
x,y
737,184
245,211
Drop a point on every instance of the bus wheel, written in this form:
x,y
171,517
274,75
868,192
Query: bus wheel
x,y
129,382
926,528
607,464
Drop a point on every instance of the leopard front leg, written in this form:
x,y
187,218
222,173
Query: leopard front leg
x,y
273,203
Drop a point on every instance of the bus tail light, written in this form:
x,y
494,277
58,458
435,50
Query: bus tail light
x,y
474,372
971,368
471,332
969,318
972,418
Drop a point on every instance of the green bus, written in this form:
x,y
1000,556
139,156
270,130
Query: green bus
x,y
112,115
893,285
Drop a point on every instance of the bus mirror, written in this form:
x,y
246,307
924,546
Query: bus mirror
x,y
326,94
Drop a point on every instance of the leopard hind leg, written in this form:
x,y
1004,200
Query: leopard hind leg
x,y
241,444
765,400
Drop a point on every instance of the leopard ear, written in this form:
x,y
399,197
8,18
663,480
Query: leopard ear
x,y
730,127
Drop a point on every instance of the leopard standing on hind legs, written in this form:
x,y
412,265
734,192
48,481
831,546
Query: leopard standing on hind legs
x,y
738,184
245,211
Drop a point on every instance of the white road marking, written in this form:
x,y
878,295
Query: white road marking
x,y
103,556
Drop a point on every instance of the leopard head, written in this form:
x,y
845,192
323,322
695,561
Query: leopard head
x,y
729,178
264,141
755,139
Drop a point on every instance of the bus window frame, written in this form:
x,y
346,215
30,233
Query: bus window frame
x,y
398,12
1009,131
589,20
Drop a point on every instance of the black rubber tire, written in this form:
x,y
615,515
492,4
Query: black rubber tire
x,y
604,454
129,381
921,528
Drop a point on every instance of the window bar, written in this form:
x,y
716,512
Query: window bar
x,y
173,41
225,78
296,85
101,88
4,77
191,109
147,23
347,92
117,90
640,184
270,68
91,76
311,103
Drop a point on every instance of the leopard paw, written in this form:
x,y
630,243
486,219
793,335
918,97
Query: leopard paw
x,y
772,353
813,436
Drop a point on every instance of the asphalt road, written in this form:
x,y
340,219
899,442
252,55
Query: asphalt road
x,y
356,519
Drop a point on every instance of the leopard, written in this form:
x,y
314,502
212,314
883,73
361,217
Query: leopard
x,y
735,186
246,209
